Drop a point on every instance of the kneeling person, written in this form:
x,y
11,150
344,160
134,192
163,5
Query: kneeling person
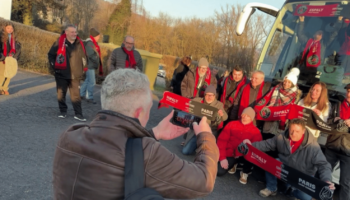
x,y
210,99
231,136
297,148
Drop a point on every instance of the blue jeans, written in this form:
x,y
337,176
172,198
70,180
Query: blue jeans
x,y
88,85
190,147
271,184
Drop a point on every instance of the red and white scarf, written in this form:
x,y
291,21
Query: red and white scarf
x,y
61,58
345,48
12,46
100,68
207,80
312,53
281,97
130,62
244,103
240,84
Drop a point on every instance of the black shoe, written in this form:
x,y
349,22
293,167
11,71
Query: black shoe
x,y
91,101
62,115
80,118
82,98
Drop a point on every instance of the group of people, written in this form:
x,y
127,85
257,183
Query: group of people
x,y
71,58
293,143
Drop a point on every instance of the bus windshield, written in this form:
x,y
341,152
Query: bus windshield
x,y
313,36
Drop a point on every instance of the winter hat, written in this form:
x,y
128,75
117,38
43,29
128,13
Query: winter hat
x,y
203,62
210,89
94,32
293,75
250,112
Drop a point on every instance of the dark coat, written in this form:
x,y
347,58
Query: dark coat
x,y
76,60
118,58
92,54
18,47
178,76
188,83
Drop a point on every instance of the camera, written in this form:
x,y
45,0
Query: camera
x,y
184,119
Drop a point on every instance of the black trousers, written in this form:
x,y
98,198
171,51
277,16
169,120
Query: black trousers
x,y
247,166
62,86
333,157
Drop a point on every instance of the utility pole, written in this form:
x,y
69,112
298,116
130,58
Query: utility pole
x,y
5,9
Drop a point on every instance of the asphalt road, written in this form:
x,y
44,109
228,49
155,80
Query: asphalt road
x,y
29,130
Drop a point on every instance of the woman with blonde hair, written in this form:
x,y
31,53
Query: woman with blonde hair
x,y
9,47
317,101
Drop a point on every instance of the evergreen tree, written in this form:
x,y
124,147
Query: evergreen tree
x,y
119,22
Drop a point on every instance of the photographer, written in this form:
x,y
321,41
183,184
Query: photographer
x,y
91,157
209,99
337,146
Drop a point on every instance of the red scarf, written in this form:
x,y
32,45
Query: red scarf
x,y
207,80
13,47
130,63
100,69
61,58
241,84
313,53
344,110
245,97
295,145
345,48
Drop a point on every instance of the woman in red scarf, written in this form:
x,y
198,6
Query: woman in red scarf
x,y
9,48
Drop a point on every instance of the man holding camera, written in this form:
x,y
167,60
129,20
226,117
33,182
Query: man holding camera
x,y
298,149
210,99
90,158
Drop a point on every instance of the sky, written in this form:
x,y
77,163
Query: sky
x,y
196,8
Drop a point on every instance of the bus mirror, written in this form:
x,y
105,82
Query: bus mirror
x,y
249,10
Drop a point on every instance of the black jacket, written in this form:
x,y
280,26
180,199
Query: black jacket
x,y
16,55
178,76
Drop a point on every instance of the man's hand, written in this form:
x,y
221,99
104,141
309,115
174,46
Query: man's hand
x,y
224,164
331,185
340,18
302,18
203,126
247,141
165,130
347,122
220,113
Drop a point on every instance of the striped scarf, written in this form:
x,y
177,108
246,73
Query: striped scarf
x,y
282,97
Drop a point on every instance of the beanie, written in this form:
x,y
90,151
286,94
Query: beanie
x,y
293,75
250,112
210,89
203,62
94,32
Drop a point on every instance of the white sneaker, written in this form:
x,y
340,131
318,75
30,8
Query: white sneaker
x,y
244,178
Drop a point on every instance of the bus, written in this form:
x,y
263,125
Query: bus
x,y
290,44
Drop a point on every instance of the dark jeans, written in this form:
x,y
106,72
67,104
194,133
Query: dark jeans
x,y
333,157
62,86
247,166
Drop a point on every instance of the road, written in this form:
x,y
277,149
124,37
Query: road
x,y
29,131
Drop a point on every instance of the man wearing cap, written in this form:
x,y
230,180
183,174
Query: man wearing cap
x,y
126,56
337,147
231,136
195,81
297,148
93,54
209,99
250,94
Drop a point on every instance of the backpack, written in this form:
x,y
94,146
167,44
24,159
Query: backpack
x,y
134,173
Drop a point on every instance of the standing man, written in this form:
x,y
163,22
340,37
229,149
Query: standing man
x,y
250,94
231,87
337,147
67,59
195,82
125,56
94,61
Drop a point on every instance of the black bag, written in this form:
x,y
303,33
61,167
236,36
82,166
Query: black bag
x,y
134,173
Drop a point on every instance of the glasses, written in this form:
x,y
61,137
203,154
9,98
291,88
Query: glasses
x,y
203,68
210,95
129,43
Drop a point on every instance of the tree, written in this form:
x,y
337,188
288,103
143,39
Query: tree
x,y
119,22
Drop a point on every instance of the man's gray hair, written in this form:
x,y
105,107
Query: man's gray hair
x,y
124,91
70,26
259,72
129,36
